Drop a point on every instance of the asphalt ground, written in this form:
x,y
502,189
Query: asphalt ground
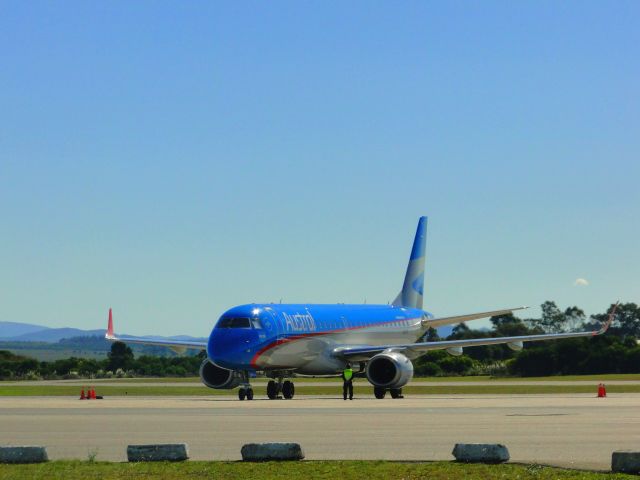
x,y
574,430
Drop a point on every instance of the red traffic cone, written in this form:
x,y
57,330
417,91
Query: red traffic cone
x,y
82,397
601,391
93,393
604,390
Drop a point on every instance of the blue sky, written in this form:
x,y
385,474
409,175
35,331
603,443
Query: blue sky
x,y
173,159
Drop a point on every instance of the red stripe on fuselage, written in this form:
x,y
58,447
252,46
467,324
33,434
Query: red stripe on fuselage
x,y
292,338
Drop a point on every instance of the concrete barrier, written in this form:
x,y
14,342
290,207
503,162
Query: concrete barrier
x,y
625,461
264,452
164,452
27,454
480,453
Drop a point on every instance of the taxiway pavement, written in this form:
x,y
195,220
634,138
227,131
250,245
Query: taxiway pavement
x,y
575,430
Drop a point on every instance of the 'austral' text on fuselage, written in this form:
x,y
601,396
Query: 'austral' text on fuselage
x,y
300,322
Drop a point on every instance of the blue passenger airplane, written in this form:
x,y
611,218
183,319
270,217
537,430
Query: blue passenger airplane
x,y
284,341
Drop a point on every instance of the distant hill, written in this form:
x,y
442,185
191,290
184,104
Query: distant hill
x,y
53,335
15,329
26,332
47,344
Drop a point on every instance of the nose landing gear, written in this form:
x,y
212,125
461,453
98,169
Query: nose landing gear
x,y
245,388
245,392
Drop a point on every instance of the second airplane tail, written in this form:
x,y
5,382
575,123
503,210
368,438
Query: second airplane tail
x,y
412,289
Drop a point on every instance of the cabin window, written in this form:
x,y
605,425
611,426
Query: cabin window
x,y
234,322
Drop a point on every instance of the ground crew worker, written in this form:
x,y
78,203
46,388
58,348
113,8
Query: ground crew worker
x,y
347,377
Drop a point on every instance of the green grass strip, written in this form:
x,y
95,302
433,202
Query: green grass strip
x,y
370,470
361,388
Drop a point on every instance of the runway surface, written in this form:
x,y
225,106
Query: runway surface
x,y
574,430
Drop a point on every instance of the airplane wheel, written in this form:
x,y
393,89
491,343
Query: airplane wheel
x,y
379,392
288,390
250,394
241,394
272,390
396,393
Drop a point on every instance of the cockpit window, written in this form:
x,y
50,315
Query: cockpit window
x,y
256,323
234,322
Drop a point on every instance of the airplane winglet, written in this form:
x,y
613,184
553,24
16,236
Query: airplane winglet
x,y
607,324
110,325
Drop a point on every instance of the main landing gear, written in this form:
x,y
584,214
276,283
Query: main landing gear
x,y
275,388
381,392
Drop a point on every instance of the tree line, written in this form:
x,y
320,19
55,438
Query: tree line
x,y
615,352
120,362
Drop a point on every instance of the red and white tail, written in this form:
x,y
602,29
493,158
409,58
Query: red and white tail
x,y
110,325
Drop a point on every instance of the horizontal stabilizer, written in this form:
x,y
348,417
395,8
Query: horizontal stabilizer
x,y
176,345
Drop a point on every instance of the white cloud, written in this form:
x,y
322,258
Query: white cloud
x,y
580,282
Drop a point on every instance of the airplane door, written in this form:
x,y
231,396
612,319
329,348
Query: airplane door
x,y
270,323
343,324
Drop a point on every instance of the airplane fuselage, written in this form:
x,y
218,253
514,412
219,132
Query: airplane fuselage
x,y
301,337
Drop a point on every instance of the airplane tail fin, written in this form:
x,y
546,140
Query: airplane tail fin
x,y
412,289
110,326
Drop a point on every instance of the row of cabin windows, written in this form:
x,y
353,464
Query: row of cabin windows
x,y
397,323
243,322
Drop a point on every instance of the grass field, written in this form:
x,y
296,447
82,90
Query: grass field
x,y
314,386
361,388
558,378
370,470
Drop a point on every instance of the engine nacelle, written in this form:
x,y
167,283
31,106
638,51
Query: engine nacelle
x,y
515,346
389,370
455,351
217,377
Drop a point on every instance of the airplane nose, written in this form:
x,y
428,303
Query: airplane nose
x,y
228,345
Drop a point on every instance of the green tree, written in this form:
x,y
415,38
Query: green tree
x,y
431,335
120,356
509,325
553,319
574,318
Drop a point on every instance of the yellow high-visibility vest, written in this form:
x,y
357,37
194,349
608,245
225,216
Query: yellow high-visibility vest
x,y
348,374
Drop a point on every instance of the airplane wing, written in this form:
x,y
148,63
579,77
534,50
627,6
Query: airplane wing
x,y
438,322
414,350
176,345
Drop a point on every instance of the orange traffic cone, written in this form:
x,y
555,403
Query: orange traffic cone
x,y
604,390
93,393
82,397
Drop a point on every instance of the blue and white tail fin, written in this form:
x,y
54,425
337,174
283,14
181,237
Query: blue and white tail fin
x,y
412,289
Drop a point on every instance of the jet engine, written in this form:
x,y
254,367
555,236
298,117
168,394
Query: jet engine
x,y
515,346
389,370
214,376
